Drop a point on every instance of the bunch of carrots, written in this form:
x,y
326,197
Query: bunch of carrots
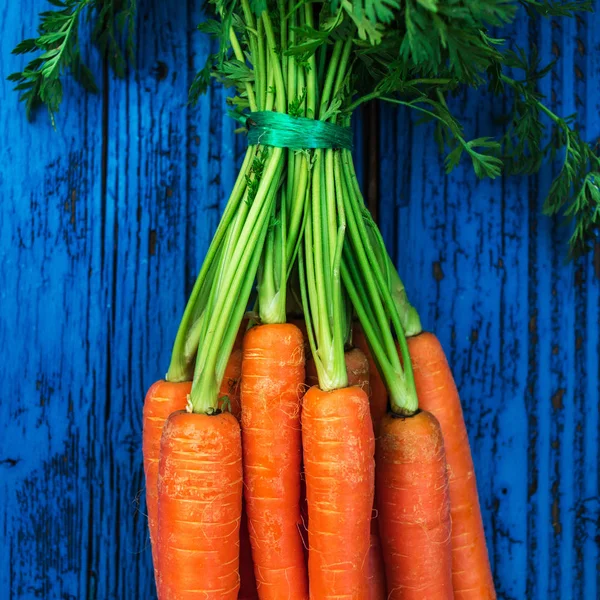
x,y
308,439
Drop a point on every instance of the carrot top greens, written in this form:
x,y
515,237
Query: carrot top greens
x,y
58,46
417,53
297,204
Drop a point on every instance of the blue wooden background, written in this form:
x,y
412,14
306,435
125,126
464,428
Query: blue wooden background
x,y
103,226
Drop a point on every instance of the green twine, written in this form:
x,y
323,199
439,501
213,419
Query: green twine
x,y
297,133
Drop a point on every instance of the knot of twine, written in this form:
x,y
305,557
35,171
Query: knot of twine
x,y
270,128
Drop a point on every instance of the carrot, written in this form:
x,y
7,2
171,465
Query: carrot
x,y
309,364
301,325
271,392
247,580
162,399
414,508
230,386
358,369
338,442
199,507
356,365
378,400
471,573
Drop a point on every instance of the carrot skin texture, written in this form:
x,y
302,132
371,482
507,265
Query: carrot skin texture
x,y
378,399
358,369
199,507
162,399
301,325
414,508
472,575
271,393
308,364
338,443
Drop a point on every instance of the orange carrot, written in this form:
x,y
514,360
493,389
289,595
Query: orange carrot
x,y
162,399
471,573
247,580
199,507
414,508
309,364
301,325
378,400
338,442
357,367
271,392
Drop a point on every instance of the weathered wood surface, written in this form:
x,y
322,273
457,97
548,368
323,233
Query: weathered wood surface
x,y
104,224
520,327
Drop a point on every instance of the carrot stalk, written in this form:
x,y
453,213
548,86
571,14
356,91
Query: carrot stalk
x,y
162,399
414,508
271,392
471,573
338,443
200,507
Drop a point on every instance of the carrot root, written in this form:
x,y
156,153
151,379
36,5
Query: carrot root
x,y
162,399
337,437
271,392
414,508
199,507
472,576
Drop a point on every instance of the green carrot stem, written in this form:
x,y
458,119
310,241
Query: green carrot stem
x,y
409,317
365,265
311,74
283,35
239,311
297,205
239,54
329,80
402,397
275,64
179,370
379,295
204,394
261,68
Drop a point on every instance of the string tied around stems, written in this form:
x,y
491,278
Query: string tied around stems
x,y
269,128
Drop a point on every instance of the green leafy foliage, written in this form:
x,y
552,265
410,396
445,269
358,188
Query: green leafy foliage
x,y
416,53
59,51
576,188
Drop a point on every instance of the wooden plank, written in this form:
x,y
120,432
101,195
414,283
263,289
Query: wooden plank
x,y
587,341
146,223
480,263
51,327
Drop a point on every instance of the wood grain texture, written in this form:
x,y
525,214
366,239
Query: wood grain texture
x,y
520,327
104,226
